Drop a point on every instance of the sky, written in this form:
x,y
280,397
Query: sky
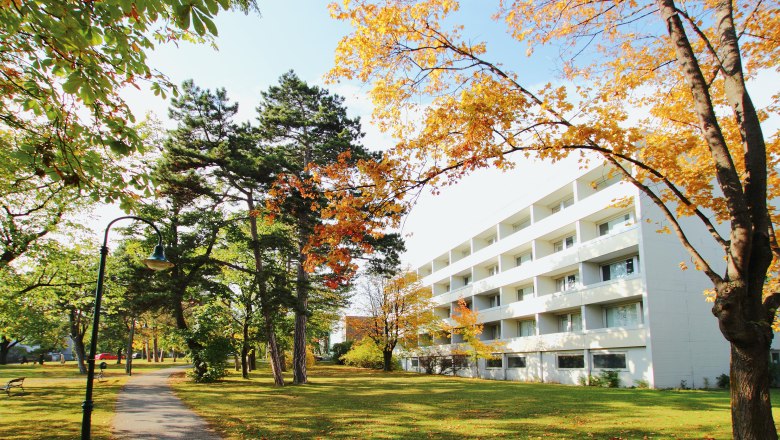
x,y
255,50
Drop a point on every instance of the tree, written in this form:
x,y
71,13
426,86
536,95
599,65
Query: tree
x,y
681,64
399,308
467,325
311,129
63,66
222,161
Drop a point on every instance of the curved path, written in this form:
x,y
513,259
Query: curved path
x,y
147,408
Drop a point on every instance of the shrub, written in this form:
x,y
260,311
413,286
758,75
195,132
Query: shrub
x,y
723,381
774,374
310,359
215,357
364,354
641,383
607,378
610,378
339,350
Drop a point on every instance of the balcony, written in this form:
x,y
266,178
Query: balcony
x,y
590,339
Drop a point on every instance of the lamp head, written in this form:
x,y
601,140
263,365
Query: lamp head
x,y
157,260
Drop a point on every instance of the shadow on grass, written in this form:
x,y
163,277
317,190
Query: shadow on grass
x,y
341,402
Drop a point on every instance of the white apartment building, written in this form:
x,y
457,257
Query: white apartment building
x,y
575,283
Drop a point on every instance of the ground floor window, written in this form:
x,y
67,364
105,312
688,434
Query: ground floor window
x,y
415,362
497,362
571,361
609,360
515,361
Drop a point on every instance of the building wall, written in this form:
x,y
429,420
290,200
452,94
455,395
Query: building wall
x,y
676,341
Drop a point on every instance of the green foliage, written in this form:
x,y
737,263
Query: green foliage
x,y
338,350
723,381
64,65
212,330
641,383
605,379
366,354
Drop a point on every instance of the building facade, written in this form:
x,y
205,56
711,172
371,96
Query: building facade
x,y
581,281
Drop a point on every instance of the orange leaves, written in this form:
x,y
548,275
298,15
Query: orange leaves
x,y
355,201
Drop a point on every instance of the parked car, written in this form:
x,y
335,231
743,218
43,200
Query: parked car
x,y
105,356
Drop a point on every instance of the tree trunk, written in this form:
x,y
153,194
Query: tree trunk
x,y
162,355
236,362
155,348
129,348
751,409
119,357
277,363
265,300
244,361
301,319
387,359
252,360
77,337
5,346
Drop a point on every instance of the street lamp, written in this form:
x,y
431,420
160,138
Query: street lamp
x,y
156,261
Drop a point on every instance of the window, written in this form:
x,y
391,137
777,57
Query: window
x,y
775,357
616,224
618,269
563,204
495,301
497,362
626,315
527,327
523,258
565,243
571,361
492,270
466,280
492,332
446,363
609,360
492,239
515,361
570,322
522,224
525,292
568,282
415,362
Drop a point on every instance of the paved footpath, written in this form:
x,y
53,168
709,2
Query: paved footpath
x,y
147,408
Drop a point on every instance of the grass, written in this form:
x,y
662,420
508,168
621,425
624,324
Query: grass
x,y
50,406
342,402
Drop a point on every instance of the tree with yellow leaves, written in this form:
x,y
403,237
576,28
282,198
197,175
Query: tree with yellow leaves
x,y
467,325
696,149
399,309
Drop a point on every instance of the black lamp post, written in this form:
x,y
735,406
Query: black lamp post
x,y
156,261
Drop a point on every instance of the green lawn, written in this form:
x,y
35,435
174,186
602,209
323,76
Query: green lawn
x,y
50,406
343,402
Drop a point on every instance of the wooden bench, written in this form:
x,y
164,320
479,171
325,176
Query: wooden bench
x,y
13,383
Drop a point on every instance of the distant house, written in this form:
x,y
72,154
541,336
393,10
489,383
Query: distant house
x,y
349,328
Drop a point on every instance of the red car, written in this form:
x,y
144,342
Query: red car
x,y
105,356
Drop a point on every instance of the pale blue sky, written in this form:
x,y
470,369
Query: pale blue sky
x,y
253,51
